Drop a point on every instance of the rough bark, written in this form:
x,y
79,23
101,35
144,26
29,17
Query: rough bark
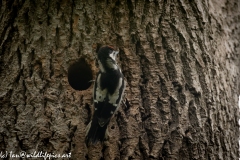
x,y
181,60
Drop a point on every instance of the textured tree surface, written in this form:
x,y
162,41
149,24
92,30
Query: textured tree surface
x,y
181,60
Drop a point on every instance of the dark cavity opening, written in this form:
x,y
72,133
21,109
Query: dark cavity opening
x,y
80,75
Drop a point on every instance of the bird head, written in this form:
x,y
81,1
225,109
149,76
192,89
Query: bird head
x,y
107,52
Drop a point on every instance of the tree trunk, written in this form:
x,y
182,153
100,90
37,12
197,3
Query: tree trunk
x,y
181,60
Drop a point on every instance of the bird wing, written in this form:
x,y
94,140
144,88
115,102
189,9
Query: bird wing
x,y
106,104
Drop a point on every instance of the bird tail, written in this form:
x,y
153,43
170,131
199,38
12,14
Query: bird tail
x,y
95,133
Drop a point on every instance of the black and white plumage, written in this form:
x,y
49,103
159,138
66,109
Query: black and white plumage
x,y
107,94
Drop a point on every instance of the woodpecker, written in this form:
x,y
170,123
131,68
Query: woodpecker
x,y
108,90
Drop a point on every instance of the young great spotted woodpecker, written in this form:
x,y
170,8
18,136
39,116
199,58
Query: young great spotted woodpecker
x,y
107,94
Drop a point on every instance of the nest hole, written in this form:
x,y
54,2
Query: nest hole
x,y
80,75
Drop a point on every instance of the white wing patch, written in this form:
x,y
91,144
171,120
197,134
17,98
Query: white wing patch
x,y
115,96
100,94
